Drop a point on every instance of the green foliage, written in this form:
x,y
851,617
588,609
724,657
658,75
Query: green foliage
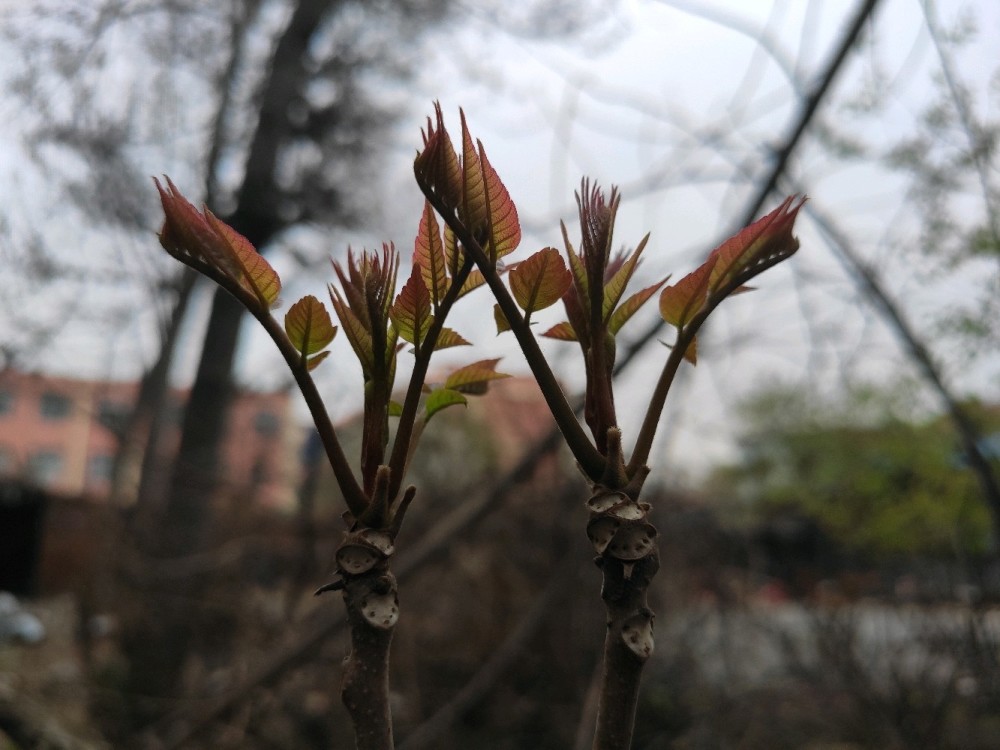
x,y
878,481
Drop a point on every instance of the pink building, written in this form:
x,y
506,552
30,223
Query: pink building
x,y
59,434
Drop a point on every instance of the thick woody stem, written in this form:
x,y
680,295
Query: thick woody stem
x,y
628,558
628,644
372,609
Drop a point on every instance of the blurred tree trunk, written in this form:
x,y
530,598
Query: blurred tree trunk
x,y
168,622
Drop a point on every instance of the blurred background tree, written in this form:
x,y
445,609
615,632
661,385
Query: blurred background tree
x,y
880,477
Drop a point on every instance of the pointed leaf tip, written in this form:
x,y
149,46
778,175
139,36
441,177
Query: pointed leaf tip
x,y
474,378
440,399
762,244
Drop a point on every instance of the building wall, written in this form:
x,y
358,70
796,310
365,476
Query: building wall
x,y
58,433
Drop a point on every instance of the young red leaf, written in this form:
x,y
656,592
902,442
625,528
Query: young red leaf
x,y
576,266
473,282
682,301
614,287
411,312
256,276
562,332
631,306
186,233
449,338
767,240
184,228
308,326
503,325
428,253
474,378
691,353
540,281
451,253
313,362
358,336
505,228
353,291
437,165
440,399
475,210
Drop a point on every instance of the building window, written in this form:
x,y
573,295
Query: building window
x,y
6,402
266,424
113,416
54,406
44,467
99,469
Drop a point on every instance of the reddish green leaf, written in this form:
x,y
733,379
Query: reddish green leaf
x,y
437,164
614,288
475,210
449,338
691,353
473,282
354,329
575,265
440,399
313,362
474,378
540,281
500,319
505,228
682,301
256,276
451,252
428,253
308,326
186,232
411,313
767,239
562,332
631,306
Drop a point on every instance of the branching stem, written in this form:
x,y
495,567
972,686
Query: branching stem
x,y
422,358
354,496
644,442
590,459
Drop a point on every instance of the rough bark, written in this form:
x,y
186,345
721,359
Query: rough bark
x,y
372,601
365,688
628,558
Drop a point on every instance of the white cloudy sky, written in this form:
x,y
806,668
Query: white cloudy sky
x,y
634,101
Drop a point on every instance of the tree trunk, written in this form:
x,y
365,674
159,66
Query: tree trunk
x,y
626,544
169,623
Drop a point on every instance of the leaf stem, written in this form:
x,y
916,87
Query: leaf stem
x,y
422,358
644,442
590,459
354,496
